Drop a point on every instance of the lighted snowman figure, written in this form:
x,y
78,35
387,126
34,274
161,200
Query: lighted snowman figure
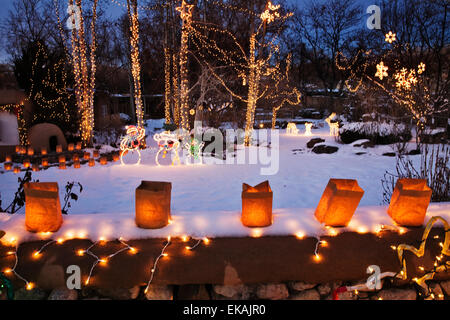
x,y
167,142
132,142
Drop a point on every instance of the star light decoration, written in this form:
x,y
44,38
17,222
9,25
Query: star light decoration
x,y
381,70
390,37
185,10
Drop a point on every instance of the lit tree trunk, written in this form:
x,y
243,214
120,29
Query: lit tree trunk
x,y
186,16
253,84
135,63
84,86
176,91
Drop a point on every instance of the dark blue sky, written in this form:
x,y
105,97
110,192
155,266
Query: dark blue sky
x,y
114,10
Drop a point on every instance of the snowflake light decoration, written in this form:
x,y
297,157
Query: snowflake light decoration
x,y
405,79
381,70
390,37
421,68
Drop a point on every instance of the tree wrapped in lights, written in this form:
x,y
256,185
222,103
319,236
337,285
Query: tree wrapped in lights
x,y
135,63
84,71
42,73
257,68
407,84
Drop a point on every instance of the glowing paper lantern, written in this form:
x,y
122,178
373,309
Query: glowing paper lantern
x,y
59,148
70,147
257,205
44,162
8,166
153,204
18,148
35,167
291,128
103,161
96,154
16,169
78,146
76,164
30,152
338,203
8,158
62,166
76,157
42,207
91,162
115,157
409,202
62,159
26,163
43,151
86,156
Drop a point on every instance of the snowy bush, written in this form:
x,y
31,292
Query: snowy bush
x,y
377,132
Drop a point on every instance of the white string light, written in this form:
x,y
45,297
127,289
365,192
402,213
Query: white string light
x,y
28,285
155,264
103,260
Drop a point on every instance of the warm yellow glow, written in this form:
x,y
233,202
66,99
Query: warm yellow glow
x,y
317,257
362,230
206,241
308,126
300,235
80,252
291,128
185,238
60,241
133,250
30,286
7,270
36,255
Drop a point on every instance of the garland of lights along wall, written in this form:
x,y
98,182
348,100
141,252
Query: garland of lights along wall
x,y
336,207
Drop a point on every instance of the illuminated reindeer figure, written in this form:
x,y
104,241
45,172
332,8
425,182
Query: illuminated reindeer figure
x,y
132,141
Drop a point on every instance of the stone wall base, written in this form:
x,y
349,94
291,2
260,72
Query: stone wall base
x,y
263,291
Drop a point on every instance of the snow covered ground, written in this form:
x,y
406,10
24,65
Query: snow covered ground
x,y
206,199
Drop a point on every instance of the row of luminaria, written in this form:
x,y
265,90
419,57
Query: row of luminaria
x,y
408,205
